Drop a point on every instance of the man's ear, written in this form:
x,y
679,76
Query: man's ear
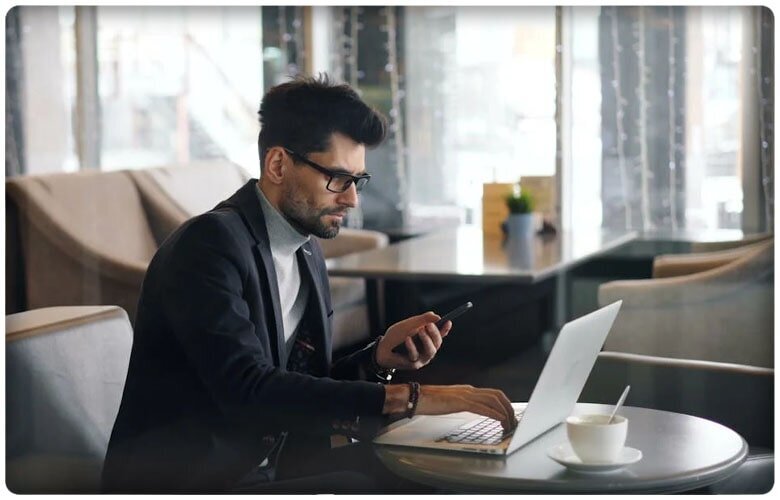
x,y
274,167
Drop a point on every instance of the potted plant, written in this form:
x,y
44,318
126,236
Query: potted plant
x,y
520,222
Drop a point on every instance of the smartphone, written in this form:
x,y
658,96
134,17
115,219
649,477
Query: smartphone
x,y
401,348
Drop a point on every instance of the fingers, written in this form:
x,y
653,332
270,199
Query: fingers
x,y
434,334
500,406
489,411
413,355
410,325
430,339
506,404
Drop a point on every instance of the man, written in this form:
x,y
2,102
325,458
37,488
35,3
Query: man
x,y
231,385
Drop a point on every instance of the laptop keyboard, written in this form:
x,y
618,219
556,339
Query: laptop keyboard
x,y
483,430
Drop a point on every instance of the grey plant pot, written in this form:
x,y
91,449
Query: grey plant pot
x,y
520,226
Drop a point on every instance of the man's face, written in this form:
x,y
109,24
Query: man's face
x,y
306,201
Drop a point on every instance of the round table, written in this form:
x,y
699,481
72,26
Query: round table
x,y
680,452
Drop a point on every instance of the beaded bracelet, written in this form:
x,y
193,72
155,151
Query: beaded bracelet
x,y
414,396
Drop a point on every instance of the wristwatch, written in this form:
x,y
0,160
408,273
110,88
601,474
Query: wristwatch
x,y
383,374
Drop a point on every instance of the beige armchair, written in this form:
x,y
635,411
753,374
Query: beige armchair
x,y
78,238
65,373
723,314
173,194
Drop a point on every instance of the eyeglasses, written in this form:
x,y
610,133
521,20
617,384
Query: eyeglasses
x,y
338,181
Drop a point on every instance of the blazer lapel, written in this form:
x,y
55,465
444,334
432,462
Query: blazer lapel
x,y
245,199
312,270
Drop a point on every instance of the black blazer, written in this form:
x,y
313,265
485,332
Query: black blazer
x,y
206,397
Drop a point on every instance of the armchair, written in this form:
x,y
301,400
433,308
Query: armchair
x,y
724,314
77,238
700,341
65,373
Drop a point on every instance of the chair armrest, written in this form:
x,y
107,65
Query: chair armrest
x,y
682,364
709,246
670,265
351,241
740,397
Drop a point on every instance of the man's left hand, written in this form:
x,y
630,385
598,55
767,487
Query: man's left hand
x,y
429,337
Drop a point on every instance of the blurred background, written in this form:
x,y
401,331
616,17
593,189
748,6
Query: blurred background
x,y
650,117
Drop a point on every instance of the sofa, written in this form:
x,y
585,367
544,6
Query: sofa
x,y
87,237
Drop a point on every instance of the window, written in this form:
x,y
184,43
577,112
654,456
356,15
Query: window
x,y
653,111
480,103
178,84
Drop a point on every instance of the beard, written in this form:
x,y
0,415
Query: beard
x,y
308,220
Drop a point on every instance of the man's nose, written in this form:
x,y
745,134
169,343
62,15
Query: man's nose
x,y
349,197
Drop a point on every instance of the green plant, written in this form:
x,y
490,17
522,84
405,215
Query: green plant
x,y
519,203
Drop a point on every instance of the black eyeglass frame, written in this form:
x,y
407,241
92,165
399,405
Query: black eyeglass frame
x,y
359,181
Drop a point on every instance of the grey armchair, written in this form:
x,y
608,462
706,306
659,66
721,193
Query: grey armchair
x,y
700,342
723,314
65,373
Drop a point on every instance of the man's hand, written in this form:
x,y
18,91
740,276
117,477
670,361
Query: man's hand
x,y
443,399
422,325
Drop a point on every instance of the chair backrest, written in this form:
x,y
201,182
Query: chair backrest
x,y
81,238
351,240
65,373
101,211
725,314
172,194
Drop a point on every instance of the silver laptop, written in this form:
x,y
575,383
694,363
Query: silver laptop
x,y
557,390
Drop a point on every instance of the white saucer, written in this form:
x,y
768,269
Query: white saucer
x,y
564,455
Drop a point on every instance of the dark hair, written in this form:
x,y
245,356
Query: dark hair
x,y
302,114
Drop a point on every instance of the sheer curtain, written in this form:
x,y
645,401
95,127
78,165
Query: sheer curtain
x,y
14,140
642,53
686,117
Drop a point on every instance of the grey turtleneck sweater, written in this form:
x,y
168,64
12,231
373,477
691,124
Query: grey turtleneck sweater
x,y
285,241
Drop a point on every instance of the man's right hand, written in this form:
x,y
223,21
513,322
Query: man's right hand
x,y
444,399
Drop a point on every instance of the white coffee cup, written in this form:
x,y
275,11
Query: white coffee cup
x,y
594,440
